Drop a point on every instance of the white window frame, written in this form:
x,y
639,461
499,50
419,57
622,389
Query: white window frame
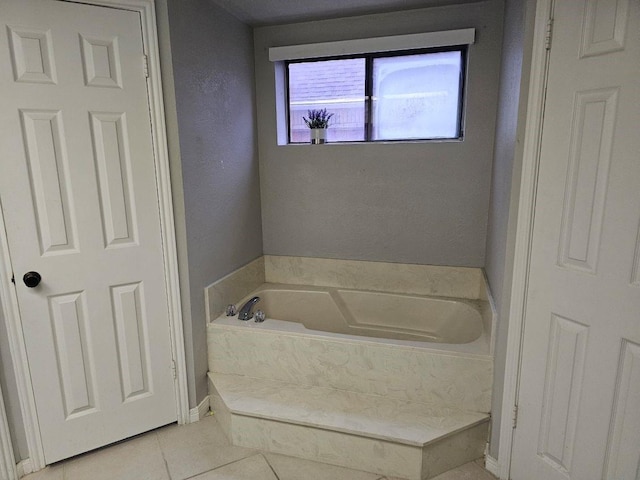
x,y
416,41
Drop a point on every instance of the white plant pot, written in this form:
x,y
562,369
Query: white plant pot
x,y
318,136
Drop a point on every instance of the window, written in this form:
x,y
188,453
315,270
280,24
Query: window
x,y
413,95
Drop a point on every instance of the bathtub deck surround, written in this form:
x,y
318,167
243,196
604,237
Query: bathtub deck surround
x,y
286,352
364,432
395,410
233,287
429,280
400,407
435,280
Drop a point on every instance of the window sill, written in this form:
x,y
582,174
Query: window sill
x,y
379,142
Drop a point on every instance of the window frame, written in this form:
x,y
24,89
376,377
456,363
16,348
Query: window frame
x,y
368,92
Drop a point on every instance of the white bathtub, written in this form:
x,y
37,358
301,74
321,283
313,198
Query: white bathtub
x,y
454,325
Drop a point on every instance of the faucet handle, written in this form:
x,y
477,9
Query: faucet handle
x,y
260,316
231,310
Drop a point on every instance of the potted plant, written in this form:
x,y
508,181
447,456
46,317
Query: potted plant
x,y
318,122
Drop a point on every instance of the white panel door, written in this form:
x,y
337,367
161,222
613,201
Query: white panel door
x,y
78,191
579,396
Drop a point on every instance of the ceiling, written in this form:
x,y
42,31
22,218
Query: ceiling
x,y
274,12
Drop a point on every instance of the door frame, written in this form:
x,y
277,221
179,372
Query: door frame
x,y
524,230
7,460
8,295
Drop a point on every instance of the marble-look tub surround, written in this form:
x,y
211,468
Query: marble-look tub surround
x,y
351,451
379,418
375,437
421,379
488,312
458,376
233,287
421,375
442,281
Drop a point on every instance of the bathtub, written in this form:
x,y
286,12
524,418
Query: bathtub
x,y
424,349
417,321
364,355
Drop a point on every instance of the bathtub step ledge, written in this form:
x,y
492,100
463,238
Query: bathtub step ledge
x,y
368,432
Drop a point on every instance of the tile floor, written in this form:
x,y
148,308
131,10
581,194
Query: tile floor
x,y
201,451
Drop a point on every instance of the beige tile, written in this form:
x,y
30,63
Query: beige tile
x,y
196,448
252,468
422,375
340,410
54,472
136,459
233,287
468,471
350,451
462,282
454,450
290,468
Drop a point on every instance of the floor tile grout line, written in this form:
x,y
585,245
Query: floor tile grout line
x,y
164,459
166,467
225,465
266,459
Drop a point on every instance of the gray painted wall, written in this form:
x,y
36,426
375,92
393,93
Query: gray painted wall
x,y
10,393
424,203
505,183
213,73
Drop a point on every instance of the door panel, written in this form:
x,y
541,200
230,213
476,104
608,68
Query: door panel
x,y
132,340
32,55
113,164
586,190
74,359
78,192
624,437
48,162
564,377
579,393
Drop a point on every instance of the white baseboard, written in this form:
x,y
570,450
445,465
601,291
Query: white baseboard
x,y
25,467
491,464
196,413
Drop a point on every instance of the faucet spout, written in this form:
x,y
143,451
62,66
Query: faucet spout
x,y
246,312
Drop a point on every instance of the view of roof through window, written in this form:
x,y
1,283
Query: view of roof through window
x,y
338,86
414,96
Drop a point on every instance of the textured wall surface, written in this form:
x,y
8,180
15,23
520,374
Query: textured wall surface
x,y
505,184
213,72
418,202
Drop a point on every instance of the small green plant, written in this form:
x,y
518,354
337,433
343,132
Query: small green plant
x,y
318,118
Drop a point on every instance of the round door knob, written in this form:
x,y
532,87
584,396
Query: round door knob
x,y
31,279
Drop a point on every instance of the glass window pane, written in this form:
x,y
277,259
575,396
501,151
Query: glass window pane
x,y
416,96
338,86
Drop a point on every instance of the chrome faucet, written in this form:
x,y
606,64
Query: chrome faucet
x,y
246,312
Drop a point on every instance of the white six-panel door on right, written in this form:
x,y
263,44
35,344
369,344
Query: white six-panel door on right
x,y
579,397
